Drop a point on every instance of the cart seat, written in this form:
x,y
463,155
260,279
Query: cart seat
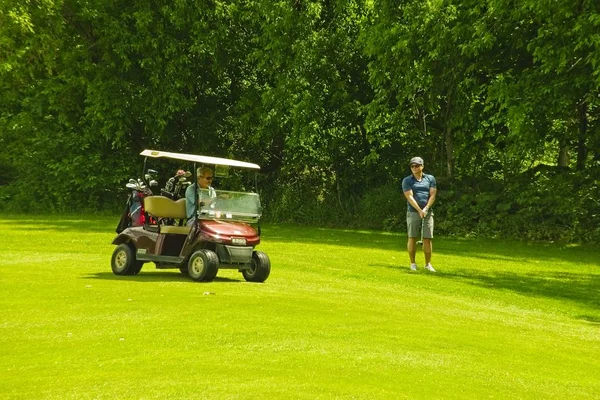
x,y
164,207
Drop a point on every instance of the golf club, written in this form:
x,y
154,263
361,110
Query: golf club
x,y
423,227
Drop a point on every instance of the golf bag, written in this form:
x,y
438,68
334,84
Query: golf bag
x,y
176,186
134,213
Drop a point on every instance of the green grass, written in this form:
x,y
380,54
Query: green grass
x,y
340,316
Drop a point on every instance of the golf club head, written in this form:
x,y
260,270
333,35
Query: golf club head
x,y
131,186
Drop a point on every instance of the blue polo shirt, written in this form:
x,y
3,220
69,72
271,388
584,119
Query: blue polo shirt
x,y
420,189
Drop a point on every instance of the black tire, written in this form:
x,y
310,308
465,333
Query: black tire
x,y
123,261
136,268
260,268
212,274
203,265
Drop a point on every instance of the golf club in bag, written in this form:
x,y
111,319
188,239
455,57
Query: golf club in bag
x,y
176,186
175,189
134,214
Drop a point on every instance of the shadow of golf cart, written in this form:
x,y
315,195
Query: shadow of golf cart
x,y
223,235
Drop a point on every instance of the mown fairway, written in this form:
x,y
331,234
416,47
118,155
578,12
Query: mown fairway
x,y
340,317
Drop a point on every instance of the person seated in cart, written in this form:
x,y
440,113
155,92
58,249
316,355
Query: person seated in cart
x,y
206,193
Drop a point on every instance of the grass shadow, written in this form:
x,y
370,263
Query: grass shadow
x,y
591,319
161,276
504,250
401,268
583,289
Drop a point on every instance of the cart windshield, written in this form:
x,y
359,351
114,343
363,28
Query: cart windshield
x,y
229,205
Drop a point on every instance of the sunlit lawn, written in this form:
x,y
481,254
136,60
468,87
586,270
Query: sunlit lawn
x,y
341,316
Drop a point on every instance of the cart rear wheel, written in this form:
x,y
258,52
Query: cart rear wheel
x,y
203,265
123,261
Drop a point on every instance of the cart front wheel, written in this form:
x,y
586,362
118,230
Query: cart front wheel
x,y
260,268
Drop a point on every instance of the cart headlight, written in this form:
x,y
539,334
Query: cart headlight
x,y
238,241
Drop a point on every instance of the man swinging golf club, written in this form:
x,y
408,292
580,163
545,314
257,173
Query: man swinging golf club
x,y
420,191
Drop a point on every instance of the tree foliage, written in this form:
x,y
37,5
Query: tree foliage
x,y
331,97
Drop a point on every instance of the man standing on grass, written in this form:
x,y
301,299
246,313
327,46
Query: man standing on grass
x,y
420,191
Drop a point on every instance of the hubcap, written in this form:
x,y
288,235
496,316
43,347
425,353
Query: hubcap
x,y
197,265
121,260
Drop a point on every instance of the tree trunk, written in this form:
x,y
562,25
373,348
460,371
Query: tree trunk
x,y
364,140
449,137
581,143
449,140
276,150
563,154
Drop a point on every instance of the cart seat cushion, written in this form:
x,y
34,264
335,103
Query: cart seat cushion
x,y
164,207
181,230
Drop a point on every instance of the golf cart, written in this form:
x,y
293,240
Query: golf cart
x,y
223,234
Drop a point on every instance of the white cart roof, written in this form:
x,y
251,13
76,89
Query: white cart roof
x,y
198,159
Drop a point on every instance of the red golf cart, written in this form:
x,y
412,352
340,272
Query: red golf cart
x,y
220,234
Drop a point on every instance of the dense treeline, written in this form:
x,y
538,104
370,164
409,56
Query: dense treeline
x,y
330,97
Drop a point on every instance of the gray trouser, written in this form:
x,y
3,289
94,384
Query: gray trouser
x,y
413,224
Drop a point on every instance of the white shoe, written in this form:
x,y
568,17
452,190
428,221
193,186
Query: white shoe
x,y
413,267
429,267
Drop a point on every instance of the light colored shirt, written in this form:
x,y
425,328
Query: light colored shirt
x,y
207,193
